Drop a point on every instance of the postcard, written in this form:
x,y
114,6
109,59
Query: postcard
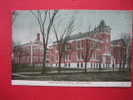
x,y
82,48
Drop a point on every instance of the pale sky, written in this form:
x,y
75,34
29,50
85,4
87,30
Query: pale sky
x,y
25,27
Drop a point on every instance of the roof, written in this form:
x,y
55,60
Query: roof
x,y
30,43
102,27
79,35
116,42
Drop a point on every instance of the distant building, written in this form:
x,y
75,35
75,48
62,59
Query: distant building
x,y
29,53
118,52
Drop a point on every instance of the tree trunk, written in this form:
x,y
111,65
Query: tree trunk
x,y
120,67
100,66
44,62
113,67
86,59
44,55
59,66
123,66
85,66
60,57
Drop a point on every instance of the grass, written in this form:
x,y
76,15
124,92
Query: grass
x,y
67,74
27,68
80,76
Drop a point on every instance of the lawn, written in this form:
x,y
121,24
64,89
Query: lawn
x,y
78,76
24,72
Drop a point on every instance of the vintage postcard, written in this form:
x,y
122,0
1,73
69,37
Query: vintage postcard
x,y
86,48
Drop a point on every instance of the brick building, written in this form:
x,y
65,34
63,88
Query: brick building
x,y
29,53
118,51
96,44
77,44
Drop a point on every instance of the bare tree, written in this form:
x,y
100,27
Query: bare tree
x,y
62,38
127,57
45,20
89,50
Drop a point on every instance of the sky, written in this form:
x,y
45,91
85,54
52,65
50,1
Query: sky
x,y
25,26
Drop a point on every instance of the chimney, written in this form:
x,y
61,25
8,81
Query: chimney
x,y
38,37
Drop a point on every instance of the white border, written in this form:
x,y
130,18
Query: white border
x,y
71,84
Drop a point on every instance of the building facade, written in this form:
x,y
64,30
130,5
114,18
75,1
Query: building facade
x,y
94,49
119,53
30,53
